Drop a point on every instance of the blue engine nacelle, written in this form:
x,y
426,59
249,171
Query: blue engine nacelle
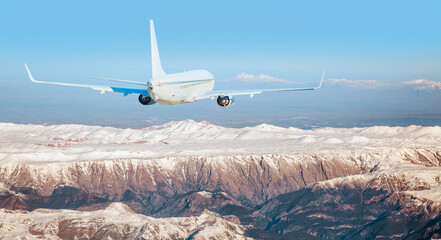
x,y
146,100
225,101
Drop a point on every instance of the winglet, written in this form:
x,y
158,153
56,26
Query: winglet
x,y
157,70
321,81
30,75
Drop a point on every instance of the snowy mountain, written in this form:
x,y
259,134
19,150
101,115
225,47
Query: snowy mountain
x,y
117,221
375,182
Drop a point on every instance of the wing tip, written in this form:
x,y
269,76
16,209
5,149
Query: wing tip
x,y
321,80
29,73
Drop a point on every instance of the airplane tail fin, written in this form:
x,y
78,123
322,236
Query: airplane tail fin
x,y
156,61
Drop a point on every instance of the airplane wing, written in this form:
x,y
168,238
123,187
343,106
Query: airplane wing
x,y
103,89
252,92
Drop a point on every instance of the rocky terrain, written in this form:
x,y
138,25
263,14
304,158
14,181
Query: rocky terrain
x,y
116,221
265,181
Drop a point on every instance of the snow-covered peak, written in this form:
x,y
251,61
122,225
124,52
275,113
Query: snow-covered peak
x,y
69,143
188,125
103,224
118,207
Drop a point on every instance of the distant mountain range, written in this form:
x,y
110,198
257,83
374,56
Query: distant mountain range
x,y
192,180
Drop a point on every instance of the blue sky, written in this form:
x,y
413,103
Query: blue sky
x,y
371,50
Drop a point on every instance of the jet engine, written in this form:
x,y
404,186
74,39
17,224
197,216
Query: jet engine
x,y
225,101
146,100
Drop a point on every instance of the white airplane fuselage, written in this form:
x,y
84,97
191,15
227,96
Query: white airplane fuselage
x,y
183,87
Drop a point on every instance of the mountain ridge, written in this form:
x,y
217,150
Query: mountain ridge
x,y
283,182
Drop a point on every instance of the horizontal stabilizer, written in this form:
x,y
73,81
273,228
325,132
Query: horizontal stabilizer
x,y
118,80
189,81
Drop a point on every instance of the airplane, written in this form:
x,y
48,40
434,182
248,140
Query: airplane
x,y
176,88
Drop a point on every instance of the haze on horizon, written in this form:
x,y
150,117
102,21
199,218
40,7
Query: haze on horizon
x,y
382,60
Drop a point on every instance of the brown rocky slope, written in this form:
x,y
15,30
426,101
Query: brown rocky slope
x,y
367,183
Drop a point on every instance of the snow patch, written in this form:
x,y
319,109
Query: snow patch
x,y
205,194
